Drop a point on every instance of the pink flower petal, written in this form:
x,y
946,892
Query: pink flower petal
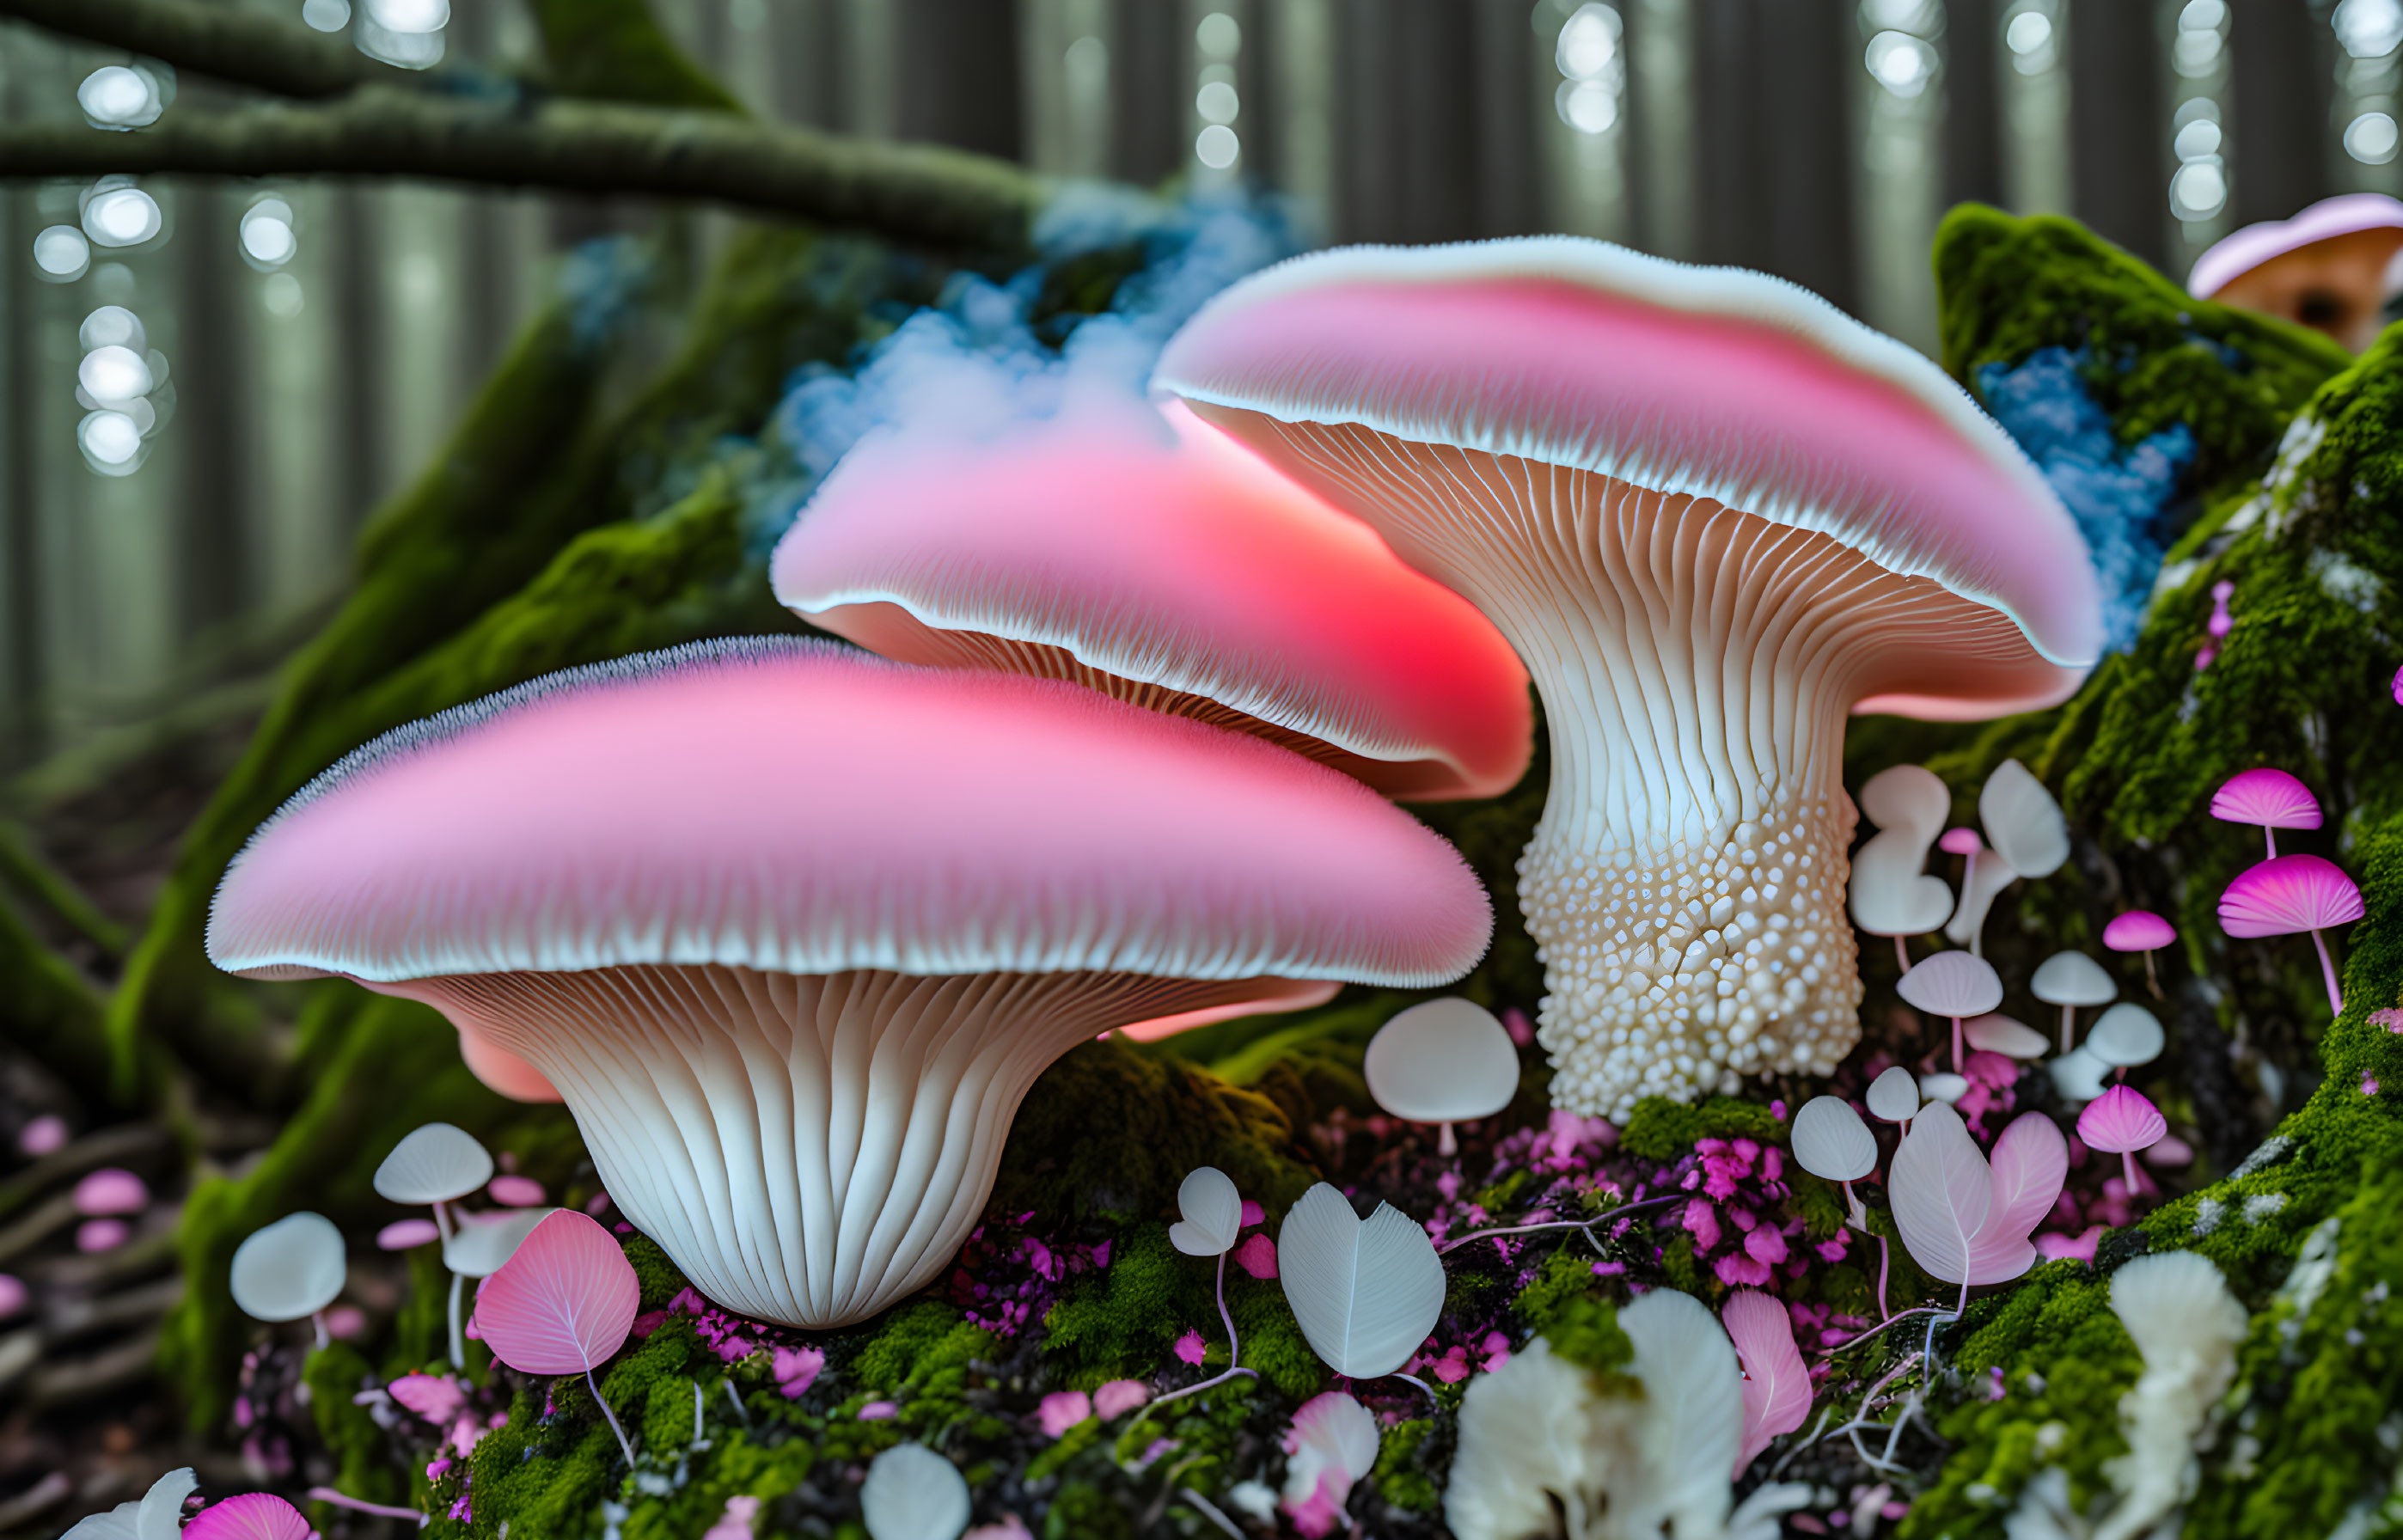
x,y
564,1302
110,1190
1063,1410
796,1369
437,1398
13,1295
1119,1397
1257,1256
879,1411
42,1135
516,1192
1253,1214
401,1234
1192,1349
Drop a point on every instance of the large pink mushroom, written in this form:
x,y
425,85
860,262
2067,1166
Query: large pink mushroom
x,y
1173,569
1714,516
792,929
2289,894
2329,267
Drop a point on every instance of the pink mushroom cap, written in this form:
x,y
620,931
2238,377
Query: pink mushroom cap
x,y
1961,842
2266,797
1712,382
250,1516
793,928
2237,254
2288,895
2120,1120
109,1191
2138,930
801,808
1170,566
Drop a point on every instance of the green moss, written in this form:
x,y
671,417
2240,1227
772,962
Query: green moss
x,y
363,1456
1082,1511
615,49
2154,355
1403,1475
1112,1130
1662,1130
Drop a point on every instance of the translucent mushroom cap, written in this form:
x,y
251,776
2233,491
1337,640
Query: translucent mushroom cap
x,y
2078,1075
1831,1141
2121,1119
1177,569
2126,1036
913,1493
1446,1061
2268,798
1893,1096
1710,382
1994,1033
2329,267
2138,930
2023,823
2072,978
484,1242
434,1164
2288,895
1952,983
288,1269
796,806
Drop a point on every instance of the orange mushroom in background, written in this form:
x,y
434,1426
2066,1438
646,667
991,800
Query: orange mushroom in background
x,y
2329,267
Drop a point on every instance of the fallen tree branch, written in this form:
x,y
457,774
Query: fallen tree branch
x,y
909,192
242,47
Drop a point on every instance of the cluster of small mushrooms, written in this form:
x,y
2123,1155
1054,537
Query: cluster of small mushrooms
x,y
791,927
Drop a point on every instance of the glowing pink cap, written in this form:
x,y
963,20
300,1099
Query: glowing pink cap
x,y
2120,1120
1176,570
796,807
2288,895
2233,256
2268,798
1712,382
2138,930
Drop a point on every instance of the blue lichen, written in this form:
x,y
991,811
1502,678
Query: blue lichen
x,y
2117,494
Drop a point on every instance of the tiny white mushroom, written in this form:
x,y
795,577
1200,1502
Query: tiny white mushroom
x,y
2078,1075
913,1493
477,1249
438,1163
1994,1033
2070,980
1954,984
1893,1096
2026,836
1442,1062
1212,1213
1891,893
1831,1142
1941,1085
2125,1036
292,1268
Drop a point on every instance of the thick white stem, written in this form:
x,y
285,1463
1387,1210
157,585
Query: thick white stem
x,y
458,1334
808,1149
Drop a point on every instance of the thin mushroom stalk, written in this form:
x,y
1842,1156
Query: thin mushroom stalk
x,y
1234,1349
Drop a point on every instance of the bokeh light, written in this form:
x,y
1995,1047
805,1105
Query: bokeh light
x,y
1587,54
2370,138
113,374
122,216
2368,29
268,239
112,326
1217,147
326,15
60,253
110,440
1902,64
117,96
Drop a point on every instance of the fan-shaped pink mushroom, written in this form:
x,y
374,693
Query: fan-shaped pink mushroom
x,y
2269,798
2121,1121
1177,571
1714,516
792,928
2326,268
2289,894
2140,930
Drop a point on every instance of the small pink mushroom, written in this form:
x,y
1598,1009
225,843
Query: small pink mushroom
x,y
2290,895
42,1135
111,1191
2326,268
2267,796
2121,1122
402,1234
2140,930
